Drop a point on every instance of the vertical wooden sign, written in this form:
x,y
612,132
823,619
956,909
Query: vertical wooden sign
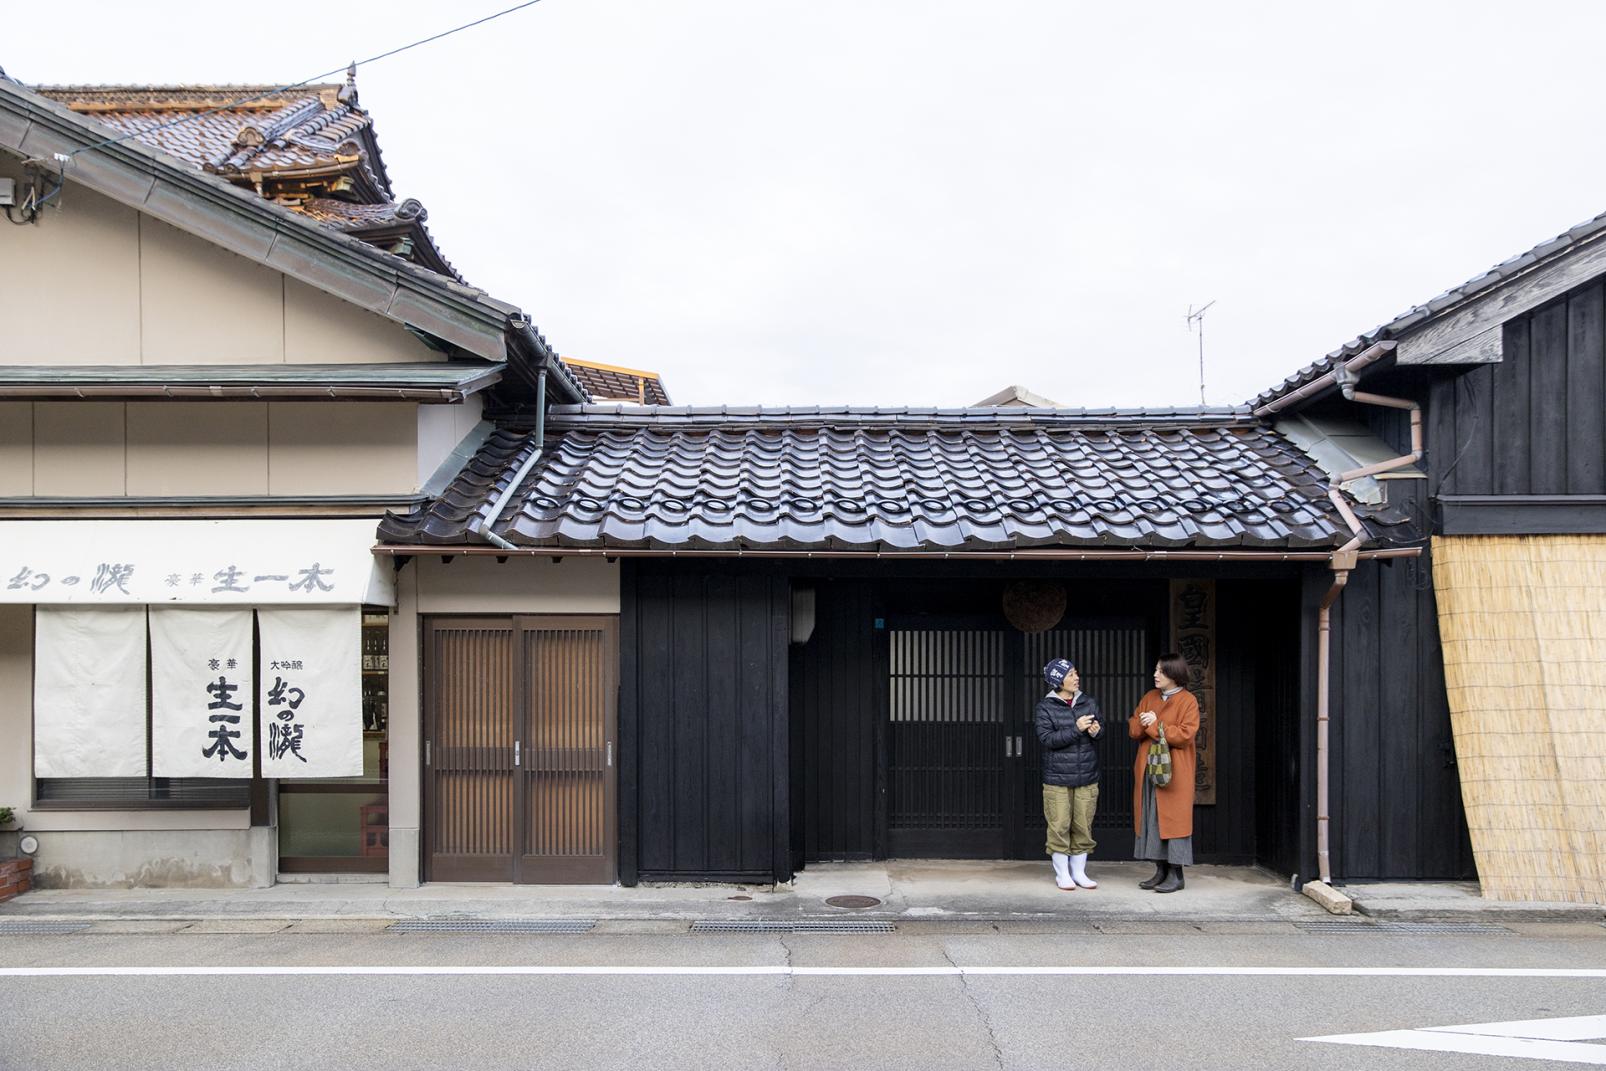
x,y
1193,635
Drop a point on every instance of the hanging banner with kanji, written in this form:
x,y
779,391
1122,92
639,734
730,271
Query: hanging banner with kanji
x,y
89,692
311,701
1193,635
201,690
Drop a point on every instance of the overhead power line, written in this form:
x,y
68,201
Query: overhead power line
x,y
352,66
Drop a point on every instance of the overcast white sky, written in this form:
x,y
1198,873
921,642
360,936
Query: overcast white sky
x,y
917,202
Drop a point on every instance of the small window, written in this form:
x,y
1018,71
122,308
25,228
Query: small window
x,y
137,793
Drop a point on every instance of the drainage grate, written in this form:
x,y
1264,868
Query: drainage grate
x,y
40,926
492,926
1401,927
783,926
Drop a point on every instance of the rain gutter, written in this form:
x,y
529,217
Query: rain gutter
x,y
537,442
1371,355
1345,377
220,392
504,549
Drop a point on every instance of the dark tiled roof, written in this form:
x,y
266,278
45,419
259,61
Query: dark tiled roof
x,y
607,383
889,479
1549,249
311,148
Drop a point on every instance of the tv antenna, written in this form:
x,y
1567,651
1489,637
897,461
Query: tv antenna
x,y
1196,316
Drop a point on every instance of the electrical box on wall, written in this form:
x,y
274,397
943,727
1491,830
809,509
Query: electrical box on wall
x,y
8,191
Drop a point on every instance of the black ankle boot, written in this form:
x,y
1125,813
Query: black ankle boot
x,y
1160,870
1171,883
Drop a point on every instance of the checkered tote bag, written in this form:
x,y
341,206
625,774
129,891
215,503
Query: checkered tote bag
x,y
1159,766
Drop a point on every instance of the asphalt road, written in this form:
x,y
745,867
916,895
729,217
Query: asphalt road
x,y
797,1004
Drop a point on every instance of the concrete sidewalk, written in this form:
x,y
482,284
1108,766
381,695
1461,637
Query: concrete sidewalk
x,y
909,890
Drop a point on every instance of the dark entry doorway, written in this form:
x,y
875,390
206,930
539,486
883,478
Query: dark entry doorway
x,y
963,763
519,724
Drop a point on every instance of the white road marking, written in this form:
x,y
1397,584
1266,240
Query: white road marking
x,y
1561,1040
778,969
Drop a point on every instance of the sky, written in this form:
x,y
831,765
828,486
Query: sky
x,y
920,202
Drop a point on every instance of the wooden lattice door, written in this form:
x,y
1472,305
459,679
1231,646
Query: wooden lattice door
x,y
570,690
520,716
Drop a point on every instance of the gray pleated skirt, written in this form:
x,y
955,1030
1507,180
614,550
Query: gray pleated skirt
x,y
1177,851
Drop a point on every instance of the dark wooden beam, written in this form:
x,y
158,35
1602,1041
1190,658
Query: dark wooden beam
x,y
1521,514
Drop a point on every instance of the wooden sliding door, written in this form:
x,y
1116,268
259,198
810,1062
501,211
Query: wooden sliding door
x,y
519,725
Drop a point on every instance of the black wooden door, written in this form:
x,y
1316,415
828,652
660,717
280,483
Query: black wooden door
x,y
963,767
1115,660
948,736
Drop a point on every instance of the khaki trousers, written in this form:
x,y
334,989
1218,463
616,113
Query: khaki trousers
x,y
1069,814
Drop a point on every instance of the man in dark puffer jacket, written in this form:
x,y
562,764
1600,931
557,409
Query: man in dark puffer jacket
x,y
1068,723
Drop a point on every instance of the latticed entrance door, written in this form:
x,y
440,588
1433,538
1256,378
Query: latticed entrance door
x,y
964,770
519,724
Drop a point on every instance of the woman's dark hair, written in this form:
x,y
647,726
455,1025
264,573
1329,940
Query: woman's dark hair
x,y
1175,666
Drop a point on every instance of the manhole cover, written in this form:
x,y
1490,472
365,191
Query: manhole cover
x,y
859,902
738,897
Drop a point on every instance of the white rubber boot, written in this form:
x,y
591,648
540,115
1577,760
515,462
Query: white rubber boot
x,y
1062,872
1079,872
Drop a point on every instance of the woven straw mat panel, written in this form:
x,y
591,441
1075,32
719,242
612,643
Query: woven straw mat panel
x,y
1523,622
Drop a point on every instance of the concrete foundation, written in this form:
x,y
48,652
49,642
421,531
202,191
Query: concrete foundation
x,y
153,858
403,858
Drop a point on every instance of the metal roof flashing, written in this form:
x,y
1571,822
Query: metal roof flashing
x,y
1338,446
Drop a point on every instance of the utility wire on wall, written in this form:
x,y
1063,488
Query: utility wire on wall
x,y
347,68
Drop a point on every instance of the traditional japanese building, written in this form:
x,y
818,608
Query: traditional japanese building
x,y
229,349
634,641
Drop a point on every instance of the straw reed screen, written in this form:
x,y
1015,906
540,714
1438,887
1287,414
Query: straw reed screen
x,y
1523,622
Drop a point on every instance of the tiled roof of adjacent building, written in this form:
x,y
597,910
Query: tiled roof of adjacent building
x,y
610,383
1451,299
311,148
888,479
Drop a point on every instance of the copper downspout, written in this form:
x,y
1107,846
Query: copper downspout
x,y
1345,559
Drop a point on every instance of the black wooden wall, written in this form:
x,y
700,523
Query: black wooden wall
x,y
835,708
703,724
1395,792
1535,423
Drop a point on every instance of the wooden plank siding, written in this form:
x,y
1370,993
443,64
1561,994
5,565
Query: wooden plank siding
x,y
835,708
1395,798
704,714
1534,424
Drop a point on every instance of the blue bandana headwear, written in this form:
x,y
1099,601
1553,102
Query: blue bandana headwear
x,y
1056,672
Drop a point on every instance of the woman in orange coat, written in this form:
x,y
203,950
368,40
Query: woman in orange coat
x,y
1162,818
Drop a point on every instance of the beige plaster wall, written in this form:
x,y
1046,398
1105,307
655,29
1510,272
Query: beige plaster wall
x,y
197,448
521,585
79,448
71,293
335,448
94,282
115,449
405,733
16,448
